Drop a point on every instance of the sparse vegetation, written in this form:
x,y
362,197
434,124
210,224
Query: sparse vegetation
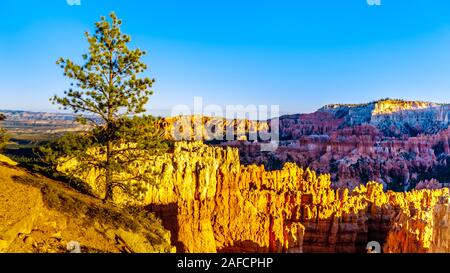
x,y
108,226
3,135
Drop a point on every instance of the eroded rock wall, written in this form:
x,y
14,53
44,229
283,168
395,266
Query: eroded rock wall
x,y
394,142
212,203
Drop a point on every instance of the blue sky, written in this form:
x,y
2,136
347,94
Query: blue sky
x,y
300,55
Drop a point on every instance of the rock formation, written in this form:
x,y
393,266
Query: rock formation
x,y
397,143
212,203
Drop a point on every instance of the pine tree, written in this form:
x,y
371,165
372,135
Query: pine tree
x,y
108,93
3,135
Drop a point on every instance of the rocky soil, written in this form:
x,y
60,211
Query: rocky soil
x,y
39,215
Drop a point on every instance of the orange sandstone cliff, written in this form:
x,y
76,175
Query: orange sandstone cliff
x,y
212,203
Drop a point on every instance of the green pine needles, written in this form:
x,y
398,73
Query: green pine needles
x,y
3,135
108,92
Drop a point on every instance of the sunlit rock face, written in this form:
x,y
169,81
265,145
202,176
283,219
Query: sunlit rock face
x,y
212,203
409,228
440,242
405,117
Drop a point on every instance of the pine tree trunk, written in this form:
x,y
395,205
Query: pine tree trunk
x,y
109,173
109,145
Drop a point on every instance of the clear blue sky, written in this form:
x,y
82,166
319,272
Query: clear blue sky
x,y
298,54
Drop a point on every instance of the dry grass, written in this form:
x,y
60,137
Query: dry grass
x,y
38,214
